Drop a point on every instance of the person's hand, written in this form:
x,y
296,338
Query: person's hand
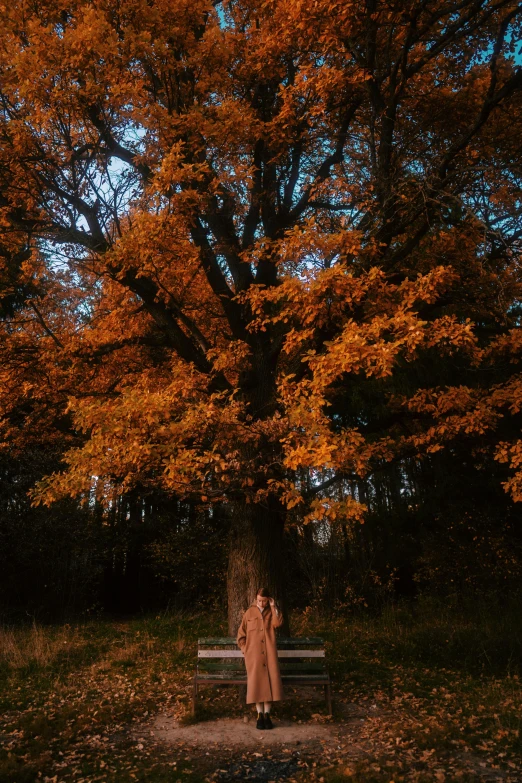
x,y
272,602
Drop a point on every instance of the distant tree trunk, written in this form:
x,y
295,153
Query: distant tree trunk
x,y
255,558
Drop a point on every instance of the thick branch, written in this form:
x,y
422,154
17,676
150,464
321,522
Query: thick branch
x,y
114,147
217,280
186,348
252,218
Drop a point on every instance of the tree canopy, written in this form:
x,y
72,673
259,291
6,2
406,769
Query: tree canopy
x,y
252,250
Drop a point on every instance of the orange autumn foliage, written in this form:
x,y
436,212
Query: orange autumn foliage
x,y
228,211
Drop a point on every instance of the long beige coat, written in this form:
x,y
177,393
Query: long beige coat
x,y
256,637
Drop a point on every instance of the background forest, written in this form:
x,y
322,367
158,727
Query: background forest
x,y
441,527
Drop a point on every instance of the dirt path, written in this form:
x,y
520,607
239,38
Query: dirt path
x,y
234,733
233,750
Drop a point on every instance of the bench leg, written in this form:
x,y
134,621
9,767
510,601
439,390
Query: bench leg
x,y
194,694
328,697
241,696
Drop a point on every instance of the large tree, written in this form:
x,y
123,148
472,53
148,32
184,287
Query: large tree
x,y
219,217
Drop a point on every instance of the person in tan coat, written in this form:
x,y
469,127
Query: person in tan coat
x,y
256,638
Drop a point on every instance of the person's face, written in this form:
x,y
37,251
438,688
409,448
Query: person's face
x,y
262,601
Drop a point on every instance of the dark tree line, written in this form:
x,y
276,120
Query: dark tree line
x,y
440,527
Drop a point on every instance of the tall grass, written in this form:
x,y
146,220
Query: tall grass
x,y
38,648
472,636
36,645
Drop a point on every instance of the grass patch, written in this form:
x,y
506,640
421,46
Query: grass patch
x,y
426,691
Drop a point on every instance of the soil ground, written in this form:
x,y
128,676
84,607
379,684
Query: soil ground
x,y
235,733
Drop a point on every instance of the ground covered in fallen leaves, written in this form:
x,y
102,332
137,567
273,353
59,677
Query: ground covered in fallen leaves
x,y
421,693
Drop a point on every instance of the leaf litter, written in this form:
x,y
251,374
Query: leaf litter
x,y
95,722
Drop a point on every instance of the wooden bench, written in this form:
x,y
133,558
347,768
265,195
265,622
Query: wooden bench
x,y
302,662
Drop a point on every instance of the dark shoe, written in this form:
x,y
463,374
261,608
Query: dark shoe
x,y
268,721
260,721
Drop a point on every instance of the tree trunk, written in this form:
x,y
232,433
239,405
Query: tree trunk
x,y
255,558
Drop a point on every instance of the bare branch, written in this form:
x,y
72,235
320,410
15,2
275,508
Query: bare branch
x,y
41,321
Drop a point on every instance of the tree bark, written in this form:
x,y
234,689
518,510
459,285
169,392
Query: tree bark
x,y
256,532
255,558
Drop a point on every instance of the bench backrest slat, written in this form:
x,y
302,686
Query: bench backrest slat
x,y
282,641
220,654
206,666
280,654
300,654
